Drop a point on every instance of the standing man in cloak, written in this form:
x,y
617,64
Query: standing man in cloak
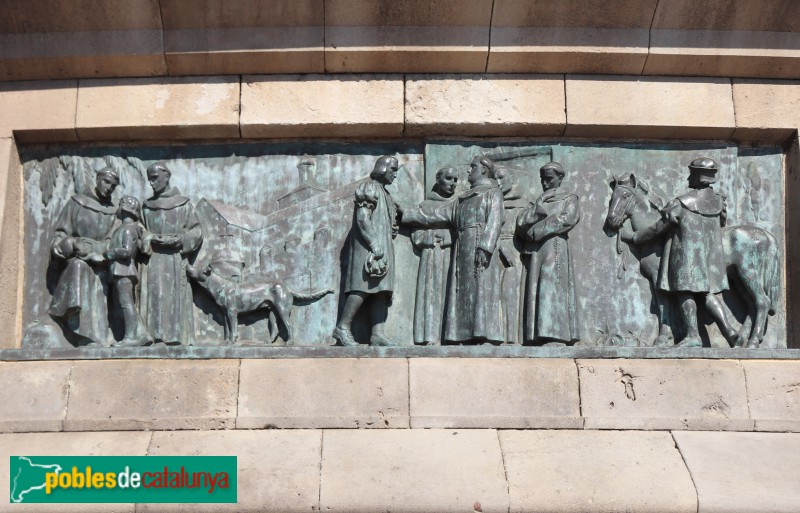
x,y
173,235
473,309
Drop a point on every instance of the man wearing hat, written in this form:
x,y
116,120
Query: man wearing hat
x,y
693,264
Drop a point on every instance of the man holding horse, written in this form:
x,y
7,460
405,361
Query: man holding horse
x,y
693,264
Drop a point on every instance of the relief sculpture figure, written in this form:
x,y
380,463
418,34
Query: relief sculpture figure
x,y
121,256
369,277
435,246
698,253
510,252
473,304
222,279
551,306
172,236
82,231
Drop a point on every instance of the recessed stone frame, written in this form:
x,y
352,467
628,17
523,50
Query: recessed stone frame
x,y
41,123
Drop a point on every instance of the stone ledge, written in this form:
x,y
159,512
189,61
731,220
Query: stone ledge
x,y
434,470
498,393
412,471
158,108
33,397
494,393
321,106
665,394
649,107
604,471
743,472
338,393
139,395
484,105
485,351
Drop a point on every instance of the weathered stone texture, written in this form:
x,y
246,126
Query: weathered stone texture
x,y
664,394
277,470
69,444
766,109
573,13
598,471
50,39
159,108
656,107
773,394
494,393
152,394
322,106
249,36
39,111
743,472
323,393
415,36
411,471
33,395
724,53
567,50
10,237
485,105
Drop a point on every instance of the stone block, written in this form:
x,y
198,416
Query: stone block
x,y
160,108
664,394
573,13
724,53
69,444
766,109
330,393
598,471
412,470
494,393
33,395
567,50
757,472
485,105
100,53
247,50
152,394
201,14
649,107
773,393
322,106
755,15
39,111
417,49
79,16
10,246
377,13
277,470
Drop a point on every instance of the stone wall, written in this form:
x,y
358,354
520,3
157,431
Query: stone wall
x,y
48,39
450,434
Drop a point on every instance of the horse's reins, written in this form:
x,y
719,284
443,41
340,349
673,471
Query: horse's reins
x,y
622,249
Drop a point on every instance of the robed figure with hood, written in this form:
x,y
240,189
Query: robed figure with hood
x,y
435,246
551,306
172,236
473,305
82,234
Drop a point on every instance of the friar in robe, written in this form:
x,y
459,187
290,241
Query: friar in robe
x,y
551,305
82,234
435,246
172,235
473,305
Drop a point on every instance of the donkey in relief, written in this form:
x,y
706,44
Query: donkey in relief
x,y
750,254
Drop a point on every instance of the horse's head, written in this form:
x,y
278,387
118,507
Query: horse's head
x,y
623,199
